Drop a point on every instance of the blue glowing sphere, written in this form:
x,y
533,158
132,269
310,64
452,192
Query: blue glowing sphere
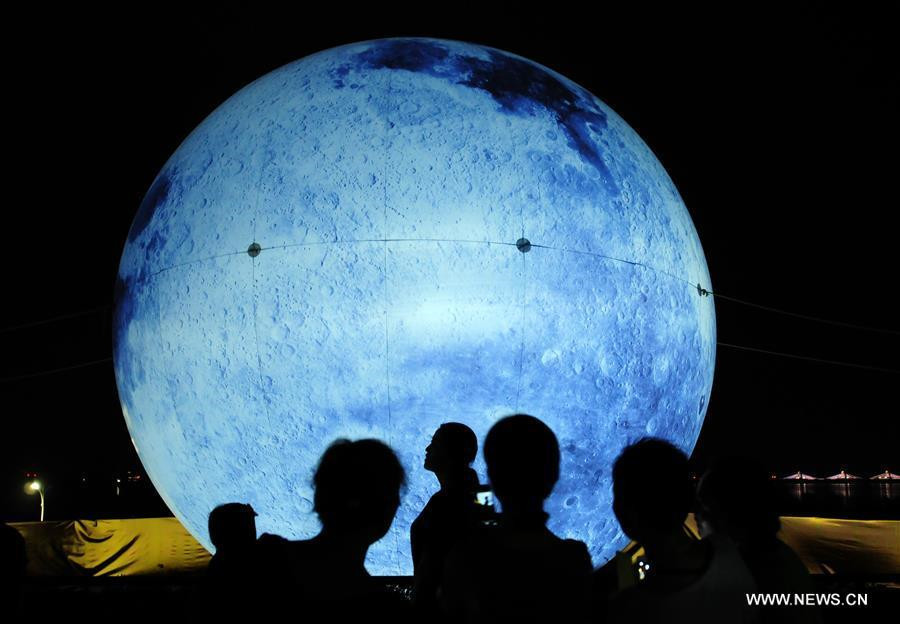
x,y
389,235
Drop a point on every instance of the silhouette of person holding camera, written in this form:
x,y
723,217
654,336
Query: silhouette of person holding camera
x,y
518,571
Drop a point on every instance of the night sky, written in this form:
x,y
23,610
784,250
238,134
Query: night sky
x,y
780,131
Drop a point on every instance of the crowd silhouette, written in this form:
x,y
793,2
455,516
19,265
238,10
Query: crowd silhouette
x,y
474,565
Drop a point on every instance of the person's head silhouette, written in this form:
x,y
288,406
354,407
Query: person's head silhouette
x,y
735,497
651,489
453,448
231,526
357,489
522,456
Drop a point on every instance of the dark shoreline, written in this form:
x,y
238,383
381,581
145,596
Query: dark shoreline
x,y
856,500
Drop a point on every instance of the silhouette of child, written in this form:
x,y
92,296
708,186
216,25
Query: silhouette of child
x,y
518,571
230,587
232,530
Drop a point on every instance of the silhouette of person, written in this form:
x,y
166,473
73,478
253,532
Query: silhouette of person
x,y
518,571
688,580
230,584
735,500
13,561
449,514
232,530
357,493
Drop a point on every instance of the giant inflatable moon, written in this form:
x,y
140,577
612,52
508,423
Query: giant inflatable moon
x,y
389,235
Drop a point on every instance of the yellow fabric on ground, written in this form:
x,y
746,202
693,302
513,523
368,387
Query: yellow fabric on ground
x,y
148,546
141,546
831,546
835,546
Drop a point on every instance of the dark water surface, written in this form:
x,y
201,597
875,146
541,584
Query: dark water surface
x,y
869,500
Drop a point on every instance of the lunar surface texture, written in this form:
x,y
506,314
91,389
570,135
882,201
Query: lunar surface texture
x,y
389,235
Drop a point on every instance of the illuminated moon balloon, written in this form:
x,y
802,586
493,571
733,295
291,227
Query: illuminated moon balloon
x,y
389,235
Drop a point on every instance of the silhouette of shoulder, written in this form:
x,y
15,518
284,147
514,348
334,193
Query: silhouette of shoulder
x,y
313,572
498,574
713,594
323,592
446,510
777,568
270,558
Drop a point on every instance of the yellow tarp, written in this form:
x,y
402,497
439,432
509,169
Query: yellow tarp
x,y
829,546
140,546
834,546
162,546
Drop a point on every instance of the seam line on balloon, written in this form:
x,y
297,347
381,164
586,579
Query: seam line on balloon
x,y
387,350
262,175
723,344
161,335
605,257
522,344
190,262
389,240
337,242
259,370
387,344
717,295
432,240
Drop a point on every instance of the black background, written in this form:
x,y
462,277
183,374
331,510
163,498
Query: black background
x,y
779,129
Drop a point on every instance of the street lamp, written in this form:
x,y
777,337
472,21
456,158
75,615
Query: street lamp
x,y
35,486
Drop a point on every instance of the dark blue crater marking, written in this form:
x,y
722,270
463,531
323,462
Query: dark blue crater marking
x,y
157,194
156,243
124,309
520,87
410,54
339,74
